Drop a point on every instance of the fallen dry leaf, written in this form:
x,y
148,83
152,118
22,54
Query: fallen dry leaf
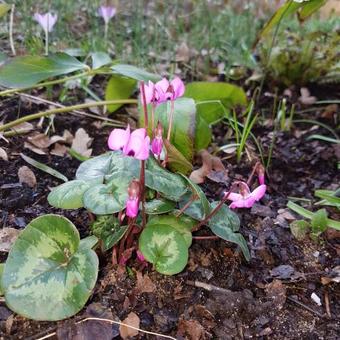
x,y
144,284
3,154
276,291
26,176
192,329
39,140
59,150
82,142
7,238
132,320
306,98
212,167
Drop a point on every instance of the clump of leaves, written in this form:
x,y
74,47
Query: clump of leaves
x,y
303,55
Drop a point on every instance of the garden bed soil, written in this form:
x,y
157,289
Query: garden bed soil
x,y
269,297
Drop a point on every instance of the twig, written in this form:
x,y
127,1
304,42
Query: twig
x,y
305,307
328,309
82,113
208,287
64,110
11,19
199,238
112,322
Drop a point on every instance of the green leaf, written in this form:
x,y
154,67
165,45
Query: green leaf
x,y
108,230
211,97
44,167
4,8
100,59
110,165
289,8
299,229
319,221
176,161
224,224
30,70
47,276
310,8
134,72
329,197
119,88
225,218
168,184
68,195
88,242
2,266
165,247
104,199
183,129
159,206
203,134
203,201
183,224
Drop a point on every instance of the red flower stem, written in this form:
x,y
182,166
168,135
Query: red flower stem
x,y
187,205
253,173
145,107
214,211
171,117
142,192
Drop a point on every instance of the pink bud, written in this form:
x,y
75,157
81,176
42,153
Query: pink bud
x,y
157,143
132,203
140,256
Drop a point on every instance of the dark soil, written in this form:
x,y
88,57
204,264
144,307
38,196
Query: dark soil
x,y
269,297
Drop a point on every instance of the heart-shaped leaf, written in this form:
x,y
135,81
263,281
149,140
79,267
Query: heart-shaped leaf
x,y
203,134
170,185
134,72
47,275
105,167
118,88
104,199
108,230
159,206
68,195
183,224
30,70
165,247
224,224
212,99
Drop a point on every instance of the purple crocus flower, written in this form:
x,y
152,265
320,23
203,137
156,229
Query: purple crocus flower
x,y
107,12
135,144
46,21
246,198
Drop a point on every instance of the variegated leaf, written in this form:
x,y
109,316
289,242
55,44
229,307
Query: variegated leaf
x,y
48,275
165,247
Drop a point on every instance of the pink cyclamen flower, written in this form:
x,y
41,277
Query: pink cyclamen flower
x,y
46,21
157,142
106,12
163,90
246,198
132,203
170,90
135,144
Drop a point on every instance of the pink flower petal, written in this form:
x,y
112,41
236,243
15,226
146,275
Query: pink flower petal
x,y
119,138
162,85
132,206
178,87
259,192
149,92
233,196
143,152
